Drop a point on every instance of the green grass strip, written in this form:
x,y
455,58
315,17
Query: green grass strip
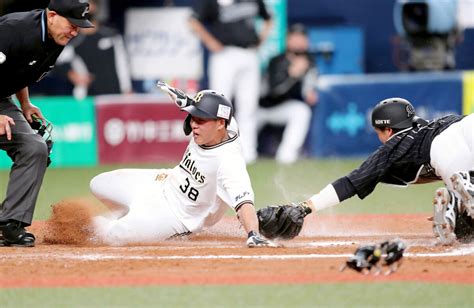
x,y
395,294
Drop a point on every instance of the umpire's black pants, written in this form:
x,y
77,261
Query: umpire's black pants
x,y
29,154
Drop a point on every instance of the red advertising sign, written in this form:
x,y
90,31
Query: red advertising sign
x,y
139,129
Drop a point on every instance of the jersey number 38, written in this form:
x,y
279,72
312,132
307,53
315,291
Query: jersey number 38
x,y
192,192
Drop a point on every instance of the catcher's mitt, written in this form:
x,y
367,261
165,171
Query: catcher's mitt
x,y
282,221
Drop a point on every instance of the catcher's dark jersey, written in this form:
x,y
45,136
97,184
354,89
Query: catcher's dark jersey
x,y
26,51
403,159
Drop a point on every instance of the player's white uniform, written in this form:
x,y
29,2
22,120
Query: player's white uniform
x,y
162,203
453,150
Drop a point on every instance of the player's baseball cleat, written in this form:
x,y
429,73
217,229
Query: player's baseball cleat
x,y
444,215
463,184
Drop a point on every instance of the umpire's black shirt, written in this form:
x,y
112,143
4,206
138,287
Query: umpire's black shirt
x,y
403,159
26,51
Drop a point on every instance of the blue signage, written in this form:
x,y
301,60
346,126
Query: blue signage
x,y
341,121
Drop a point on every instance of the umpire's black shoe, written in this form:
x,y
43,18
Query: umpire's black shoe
x,y
13,234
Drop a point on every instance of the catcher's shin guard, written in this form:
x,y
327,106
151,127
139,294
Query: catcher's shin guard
x,y
444,215
463,184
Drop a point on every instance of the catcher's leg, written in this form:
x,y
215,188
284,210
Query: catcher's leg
x,y
463,183
445,206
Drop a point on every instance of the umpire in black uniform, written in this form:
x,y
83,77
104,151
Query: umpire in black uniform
x,y
30,43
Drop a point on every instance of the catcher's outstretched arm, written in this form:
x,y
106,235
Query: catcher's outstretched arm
x,y
327,197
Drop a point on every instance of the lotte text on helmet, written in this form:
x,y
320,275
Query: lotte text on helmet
x,y
395,112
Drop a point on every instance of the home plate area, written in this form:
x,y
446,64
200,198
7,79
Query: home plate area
x,y
219,256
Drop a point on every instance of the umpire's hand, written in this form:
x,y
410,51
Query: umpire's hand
x,y
30,111
5,122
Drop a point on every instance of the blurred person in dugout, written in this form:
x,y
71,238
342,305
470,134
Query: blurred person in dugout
x,y
96,62
288,94
227,29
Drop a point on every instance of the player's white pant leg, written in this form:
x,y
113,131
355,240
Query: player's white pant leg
x,y
298,120
121,186
453,149
222,68
247,94
296,116
149,220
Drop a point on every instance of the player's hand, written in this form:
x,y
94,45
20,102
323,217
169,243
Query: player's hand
x,y
256,240
5,129
177,96
299,66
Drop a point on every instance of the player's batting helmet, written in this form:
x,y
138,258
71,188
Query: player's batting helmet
x,y
208,104
393,112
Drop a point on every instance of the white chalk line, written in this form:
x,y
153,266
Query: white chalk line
x,y
464,251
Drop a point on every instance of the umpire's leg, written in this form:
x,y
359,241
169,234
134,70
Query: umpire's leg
x,y
29,155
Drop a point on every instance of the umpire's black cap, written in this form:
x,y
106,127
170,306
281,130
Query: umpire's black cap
x,y
394,112
76,11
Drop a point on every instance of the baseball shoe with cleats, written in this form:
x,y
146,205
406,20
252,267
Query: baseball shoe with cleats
x,y
14,235
445,205
463,184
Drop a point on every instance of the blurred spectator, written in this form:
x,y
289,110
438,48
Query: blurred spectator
x,y
97,61
227,29
289,92
428,34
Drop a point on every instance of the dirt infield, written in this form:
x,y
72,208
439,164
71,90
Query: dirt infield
x,y
219,256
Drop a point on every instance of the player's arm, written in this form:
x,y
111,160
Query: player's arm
x,y
360,181
211,43
180,98
27,107
232,176
268,22
205,12
327,197
266,29
248,218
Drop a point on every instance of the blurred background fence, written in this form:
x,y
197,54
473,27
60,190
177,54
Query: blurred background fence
x,y
365,51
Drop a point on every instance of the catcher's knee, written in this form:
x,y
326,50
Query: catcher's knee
x,y
464,229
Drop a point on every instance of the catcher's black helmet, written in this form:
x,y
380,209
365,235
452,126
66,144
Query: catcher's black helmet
x,y
395,112
208,104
